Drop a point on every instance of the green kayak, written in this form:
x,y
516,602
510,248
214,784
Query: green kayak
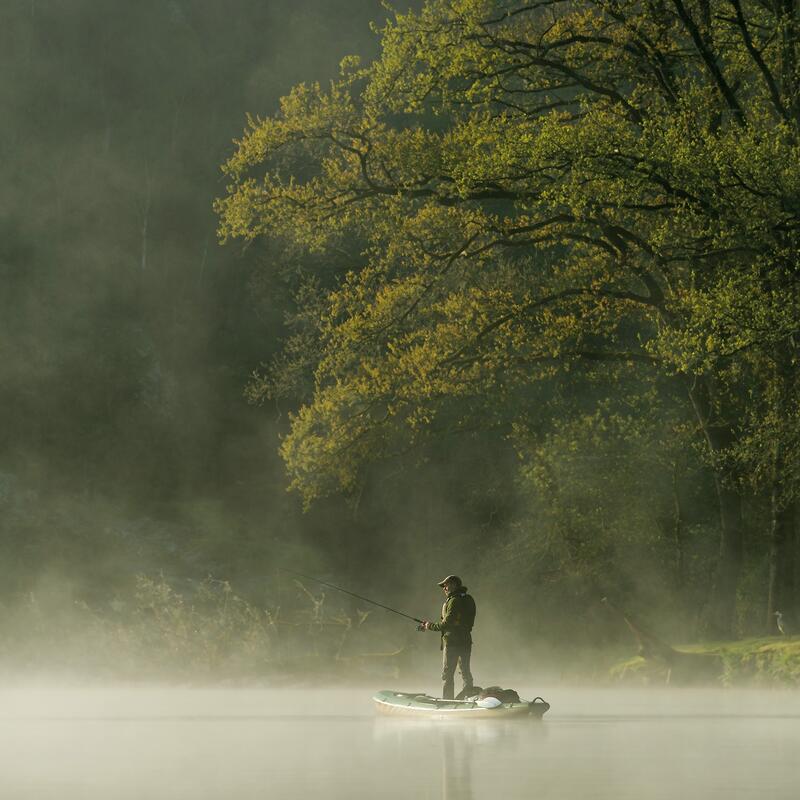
x,y
423,706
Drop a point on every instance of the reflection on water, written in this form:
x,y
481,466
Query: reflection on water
x,y
462,748
456,768
288,745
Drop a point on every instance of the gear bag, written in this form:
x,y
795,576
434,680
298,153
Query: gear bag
x,y
503,695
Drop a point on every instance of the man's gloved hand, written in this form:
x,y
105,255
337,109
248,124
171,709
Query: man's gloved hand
x,y
424,625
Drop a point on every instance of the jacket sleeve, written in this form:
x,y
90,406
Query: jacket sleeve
x,y
452,615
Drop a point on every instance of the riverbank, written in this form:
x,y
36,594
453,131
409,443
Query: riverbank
x,y
766,661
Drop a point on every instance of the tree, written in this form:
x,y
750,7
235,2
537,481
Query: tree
x,y
526,188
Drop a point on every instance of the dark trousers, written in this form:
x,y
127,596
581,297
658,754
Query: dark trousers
x,y
455,655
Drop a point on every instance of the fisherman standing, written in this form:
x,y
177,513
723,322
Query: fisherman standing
x,y
458,617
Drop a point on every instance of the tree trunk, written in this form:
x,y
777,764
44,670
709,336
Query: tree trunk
x,y
721,610
781,590
678,531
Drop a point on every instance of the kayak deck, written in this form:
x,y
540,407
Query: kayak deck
x,y
423,706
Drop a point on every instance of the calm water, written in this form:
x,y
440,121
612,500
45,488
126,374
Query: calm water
x,y
242,744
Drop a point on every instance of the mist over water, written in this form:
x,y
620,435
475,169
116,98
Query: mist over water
x,y
208,743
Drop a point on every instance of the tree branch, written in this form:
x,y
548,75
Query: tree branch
x,y
759,61
710,61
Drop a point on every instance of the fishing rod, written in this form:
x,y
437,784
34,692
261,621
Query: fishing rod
x,y
352,594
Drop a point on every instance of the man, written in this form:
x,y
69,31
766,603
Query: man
x,y
458,617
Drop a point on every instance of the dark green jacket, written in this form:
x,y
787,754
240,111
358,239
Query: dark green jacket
x,y
458,617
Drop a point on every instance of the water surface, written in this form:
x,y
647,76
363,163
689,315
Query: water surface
x,y
241,744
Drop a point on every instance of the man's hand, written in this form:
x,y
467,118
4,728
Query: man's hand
x,y
425,625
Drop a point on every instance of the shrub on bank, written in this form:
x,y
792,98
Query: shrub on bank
x,y
767,661
201,631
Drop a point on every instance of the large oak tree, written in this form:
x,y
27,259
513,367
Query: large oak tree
x,y
526,188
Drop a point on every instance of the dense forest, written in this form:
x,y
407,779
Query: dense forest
x,y
506,289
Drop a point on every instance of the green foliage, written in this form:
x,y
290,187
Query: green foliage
x,y
525,187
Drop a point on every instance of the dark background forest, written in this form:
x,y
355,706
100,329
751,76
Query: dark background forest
x,y
129,337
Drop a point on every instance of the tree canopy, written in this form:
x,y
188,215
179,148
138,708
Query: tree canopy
x,y
523,189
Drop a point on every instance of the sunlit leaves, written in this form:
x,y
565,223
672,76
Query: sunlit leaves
x,y
523,187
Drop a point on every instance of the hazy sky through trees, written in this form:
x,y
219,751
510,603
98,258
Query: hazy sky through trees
x,y
126,333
